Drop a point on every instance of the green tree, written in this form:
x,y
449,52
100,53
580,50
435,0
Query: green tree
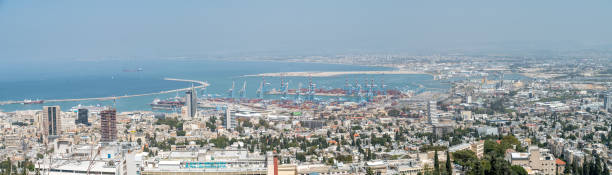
x,y
586,167
369,171
220,142
449,167
567,168
436,163
180,133
300,157
394,112
464,158
478,168
519,170
605,169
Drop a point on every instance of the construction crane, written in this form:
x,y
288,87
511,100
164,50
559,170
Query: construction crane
x,y
347,88
311,89
382,87
91,162
360,94
356,88
284,87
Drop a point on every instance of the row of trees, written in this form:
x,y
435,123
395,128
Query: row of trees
x,y
23,167
597,166
492,162
439,169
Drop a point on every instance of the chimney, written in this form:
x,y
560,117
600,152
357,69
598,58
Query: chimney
x,y
275,165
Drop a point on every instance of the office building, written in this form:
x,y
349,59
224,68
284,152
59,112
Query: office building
x,y
51,121
191,103
430,105
108,125
83,117
312,124
607,102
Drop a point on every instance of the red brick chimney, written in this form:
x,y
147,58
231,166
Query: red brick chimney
x,y
275,165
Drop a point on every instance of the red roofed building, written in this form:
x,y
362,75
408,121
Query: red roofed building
x,y
560,165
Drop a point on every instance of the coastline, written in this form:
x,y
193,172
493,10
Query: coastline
x,y
138,102
333,73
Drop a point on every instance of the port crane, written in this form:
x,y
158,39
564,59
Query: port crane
x,y
243,90
261,91
230,92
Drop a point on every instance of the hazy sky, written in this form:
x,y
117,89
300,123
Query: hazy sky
x,y
78,29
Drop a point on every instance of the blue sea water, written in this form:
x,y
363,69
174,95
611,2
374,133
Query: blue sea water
x,y
84,79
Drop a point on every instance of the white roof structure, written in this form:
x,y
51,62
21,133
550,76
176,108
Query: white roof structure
x,y
519,155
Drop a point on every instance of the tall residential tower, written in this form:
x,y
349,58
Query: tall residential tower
x,y
191,101
108,125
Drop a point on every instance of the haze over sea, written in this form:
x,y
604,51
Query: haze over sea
x,y
87,79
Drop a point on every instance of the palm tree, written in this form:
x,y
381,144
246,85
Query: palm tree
x,y
436,163
449,168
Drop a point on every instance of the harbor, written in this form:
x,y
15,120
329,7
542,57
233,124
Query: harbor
x,y
335,73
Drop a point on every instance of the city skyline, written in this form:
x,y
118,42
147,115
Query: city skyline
x,y
224,87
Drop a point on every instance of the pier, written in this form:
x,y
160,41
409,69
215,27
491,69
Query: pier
x,y
201,85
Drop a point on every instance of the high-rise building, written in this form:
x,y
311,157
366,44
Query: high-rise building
x,y
607,102
83,117
51,121
468,99
430,105
312,124
108,125
501,81
230,120
191,102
